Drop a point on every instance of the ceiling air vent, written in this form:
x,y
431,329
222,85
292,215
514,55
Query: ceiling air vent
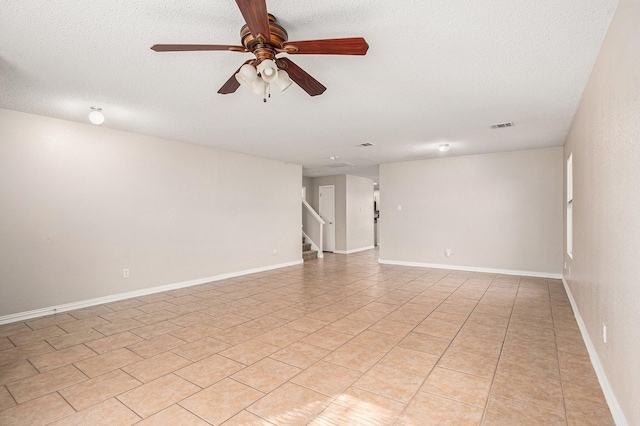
x,y
334,165
366,144
501,125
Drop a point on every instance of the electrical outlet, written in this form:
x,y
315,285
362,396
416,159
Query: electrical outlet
x,y
447,252
604,333
275,251
125,273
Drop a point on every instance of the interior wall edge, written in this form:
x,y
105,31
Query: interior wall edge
x,y
36,313
607,390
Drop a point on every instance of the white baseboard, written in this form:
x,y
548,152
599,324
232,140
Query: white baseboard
x,y
612,401
473,269
21,316
353,250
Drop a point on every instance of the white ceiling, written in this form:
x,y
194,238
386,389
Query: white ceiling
x,y
436,71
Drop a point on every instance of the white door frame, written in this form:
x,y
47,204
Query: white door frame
x,y
329,238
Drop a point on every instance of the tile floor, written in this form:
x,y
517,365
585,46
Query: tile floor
x,y
336,341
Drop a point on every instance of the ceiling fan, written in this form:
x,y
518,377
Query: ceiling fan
x,y
263,37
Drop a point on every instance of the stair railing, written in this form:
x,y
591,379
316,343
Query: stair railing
x,y
312,227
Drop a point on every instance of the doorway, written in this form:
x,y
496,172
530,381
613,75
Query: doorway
x,y
326,205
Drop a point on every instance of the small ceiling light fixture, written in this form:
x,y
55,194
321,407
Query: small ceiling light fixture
x,y
333,157
444,147
268,72
96,116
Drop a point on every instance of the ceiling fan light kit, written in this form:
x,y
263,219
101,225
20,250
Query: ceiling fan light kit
x,y
444,147
263,37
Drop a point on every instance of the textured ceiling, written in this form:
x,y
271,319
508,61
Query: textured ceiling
x,y
436,71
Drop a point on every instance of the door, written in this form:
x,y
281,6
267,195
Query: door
x,y
327,213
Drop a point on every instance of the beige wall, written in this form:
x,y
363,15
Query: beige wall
x,y
359,213
605,142
497,211
79,203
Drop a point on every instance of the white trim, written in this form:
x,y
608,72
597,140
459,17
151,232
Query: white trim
x,y
473,269
354,250
313,245
21,316
315,215
607,390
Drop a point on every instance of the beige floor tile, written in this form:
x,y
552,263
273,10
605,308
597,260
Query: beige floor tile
x,y
465,388
290,404
13,328
300,354
359,407
428,409
249,352
6,400
391,383
75,338
236,335
157,366
503,411
545,393
156,345
437,328
221,401
49,321
191,333
155,317
44,383
348,326
174,415
10,373
61,358
477,345
394,328
40,411
529,365
157,395
585,413
470,363
425,343
327,339
5,343
118,326
266,374
210,370
375,340
156,329
354,357
281,336
86,323
200,349
115,341
326,378
245,418
36,335
409,360
98,389
306,324
106,413
107,362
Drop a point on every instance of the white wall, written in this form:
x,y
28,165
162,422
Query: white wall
x,y
78,203
605,141
497,211
359,213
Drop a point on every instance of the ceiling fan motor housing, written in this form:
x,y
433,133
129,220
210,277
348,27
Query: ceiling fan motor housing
x,y
264,48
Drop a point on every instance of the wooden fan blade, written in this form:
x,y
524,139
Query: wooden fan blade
x,y
195,47
334,46
232,84
255,15
309,84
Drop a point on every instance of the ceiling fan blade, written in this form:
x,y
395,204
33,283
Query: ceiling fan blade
x,y
334,46
232,84
255,15
195,47
309,84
